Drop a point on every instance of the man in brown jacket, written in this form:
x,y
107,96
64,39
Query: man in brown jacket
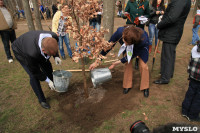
x,y
7,31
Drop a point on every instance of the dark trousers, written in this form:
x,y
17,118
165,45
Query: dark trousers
x,y
6,36
46,68
168,57
191,103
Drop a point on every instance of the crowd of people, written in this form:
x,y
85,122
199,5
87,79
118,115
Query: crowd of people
x,y
164,25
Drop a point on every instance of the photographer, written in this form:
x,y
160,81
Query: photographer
x,y
191,103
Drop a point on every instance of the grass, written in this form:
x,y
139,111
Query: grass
x,y
20,111
126,114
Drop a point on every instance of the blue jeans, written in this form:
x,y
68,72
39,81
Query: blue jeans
x,y
67,43
120,13
195,36
96,25
153,31
7,37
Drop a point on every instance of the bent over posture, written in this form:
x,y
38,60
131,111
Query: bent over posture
x,y
33,50
135,42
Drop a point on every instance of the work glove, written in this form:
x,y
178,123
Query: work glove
x,y
58,61
51,85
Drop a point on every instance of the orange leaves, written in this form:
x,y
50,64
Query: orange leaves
x,y
89,42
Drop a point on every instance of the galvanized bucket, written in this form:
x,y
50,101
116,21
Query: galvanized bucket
x,y
100,76
61,80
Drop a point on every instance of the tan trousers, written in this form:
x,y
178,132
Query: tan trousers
x,y
128,75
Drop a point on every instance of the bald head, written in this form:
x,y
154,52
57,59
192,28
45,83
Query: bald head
x,y
49,46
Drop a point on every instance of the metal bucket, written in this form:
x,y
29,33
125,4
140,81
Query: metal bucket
x,y
100,76
61,80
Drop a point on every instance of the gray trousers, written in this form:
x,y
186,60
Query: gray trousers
x,y
168,57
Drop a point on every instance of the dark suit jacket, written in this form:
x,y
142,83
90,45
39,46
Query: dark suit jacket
x,y
27,52
171,26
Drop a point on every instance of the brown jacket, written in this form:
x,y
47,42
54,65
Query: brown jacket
x,y
4,25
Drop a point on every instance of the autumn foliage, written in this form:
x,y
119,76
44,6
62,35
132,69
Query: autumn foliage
x,y
88,38
90,42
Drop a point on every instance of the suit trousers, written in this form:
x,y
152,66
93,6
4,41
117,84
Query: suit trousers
x,y
168,57
46,68
128,75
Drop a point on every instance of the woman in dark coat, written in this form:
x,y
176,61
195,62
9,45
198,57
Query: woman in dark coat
x,y
137,42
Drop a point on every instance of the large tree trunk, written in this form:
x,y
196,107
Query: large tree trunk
x,y
37,15
54,1
20,4
108,16
195,7
11,5
28,15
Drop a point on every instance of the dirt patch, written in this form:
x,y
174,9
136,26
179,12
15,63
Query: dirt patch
x,y
104,102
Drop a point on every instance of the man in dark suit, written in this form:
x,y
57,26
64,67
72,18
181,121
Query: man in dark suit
x,y
33,50
170,32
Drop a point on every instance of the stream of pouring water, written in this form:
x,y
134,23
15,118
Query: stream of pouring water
x,y
61,73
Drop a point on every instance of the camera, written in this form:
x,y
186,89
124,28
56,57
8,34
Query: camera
x,y
139,127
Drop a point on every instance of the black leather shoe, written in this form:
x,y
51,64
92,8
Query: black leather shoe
x,y
126,90
146,92
137,63
45,105
161,81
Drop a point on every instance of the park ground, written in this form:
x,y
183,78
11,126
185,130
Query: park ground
x,y
107,110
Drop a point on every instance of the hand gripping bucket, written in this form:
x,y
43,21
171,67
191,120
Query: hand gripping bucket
x,y
100,76
61,80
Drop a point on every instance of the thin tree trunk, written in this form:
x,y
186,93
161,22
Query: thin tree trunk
x,y
84,76
54,1
28,15
37,15
19,2
123,4
82,59
195,7
11,5
108,16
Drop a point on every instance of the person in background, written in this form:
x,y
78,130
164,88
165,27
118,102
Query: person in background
x,y
54,9
48,12
7,29
136,9
18,13
156,11
33,51
170,32
195,29
191,103
31,5
23,13
41,9
119,5
135,42
99,15
58,27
